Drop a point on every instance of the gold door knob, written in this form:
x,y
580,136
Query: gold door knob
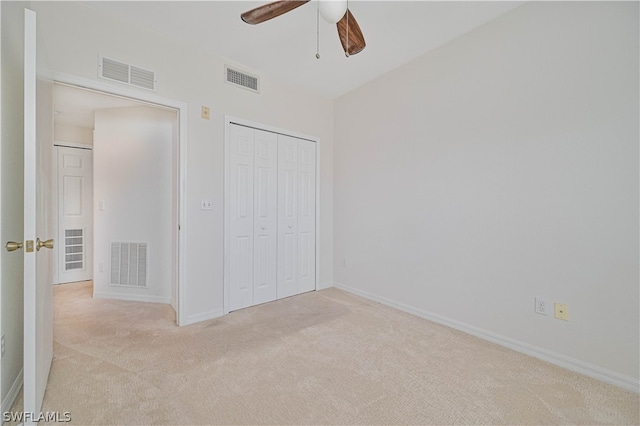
x,y
13,246
47,244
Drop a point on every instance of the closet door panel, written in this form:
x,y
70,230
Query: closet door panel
x,y
287,216
306,216
265,216
241,214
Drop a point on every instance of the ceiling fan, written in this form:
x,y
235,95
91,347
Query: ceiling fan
x,y
333,11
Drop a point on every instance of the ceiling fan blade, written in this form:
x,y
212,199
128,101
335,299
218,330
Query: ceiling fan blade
x,y
270,10
348,28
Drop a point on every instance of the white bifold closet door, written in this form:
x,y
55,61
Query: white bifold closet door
x,y
271,216
296,216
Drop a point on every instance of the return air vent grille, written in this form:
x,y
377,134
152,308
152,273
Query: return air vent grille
x,y
242,79
129,264
127,74
73,249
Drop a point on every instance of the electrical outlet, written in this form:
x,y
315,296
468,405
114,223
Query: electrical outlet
x,y
562,311
541,306
206,112
2,345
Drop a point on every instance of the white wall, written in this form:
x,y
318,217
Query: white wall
x,y
71,133
75,36
11,166
134,180
501,167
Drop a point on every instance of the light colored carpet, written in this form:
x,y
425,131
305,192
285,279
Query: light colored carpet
x,y
325,357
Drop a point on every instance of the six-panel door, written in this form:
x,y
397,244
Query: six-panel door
x,y
75,218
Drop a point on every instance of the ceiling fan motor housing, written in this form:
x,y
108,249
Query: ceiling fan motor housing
x,y
332,10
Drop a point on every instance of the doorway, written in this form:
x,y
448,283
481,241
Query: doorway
x,y
136,198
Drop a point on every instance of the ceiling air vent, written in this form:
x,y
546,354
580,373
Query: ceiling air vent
x,y
242,79
127,74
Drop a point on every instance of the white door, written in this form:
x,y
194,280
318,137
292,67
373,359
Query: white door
x,y
271,216
38,226
241,226
287,216
265,216
253,222
75,214
296,216
306,216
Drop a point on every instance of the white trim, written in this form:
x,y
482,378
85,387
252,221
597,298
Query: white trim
x,y
73,145
318,287
10,399
205,316
1,124
259,126
626,382
226,300
132,297
181,108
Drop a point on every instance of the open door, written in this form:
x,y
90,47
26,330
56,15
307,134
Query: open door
x,y
38,226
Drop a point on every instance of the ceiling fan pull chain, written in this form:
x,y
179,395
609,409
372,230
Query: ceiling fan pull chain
x,y
318,31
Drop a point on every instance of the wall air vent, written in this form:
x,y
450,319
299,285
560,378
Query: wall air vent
x,y
74,249
127,74
242,79
129,264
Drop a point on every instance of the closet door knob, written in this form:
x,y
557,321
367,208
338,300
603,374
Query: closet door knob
x,y
263,227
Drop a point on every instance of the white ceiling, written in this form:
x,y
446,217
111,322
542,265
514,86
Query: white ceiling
x,y
396,32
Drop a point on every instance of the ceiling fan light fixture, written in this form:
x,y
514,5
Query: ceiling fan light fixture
x,y
332,10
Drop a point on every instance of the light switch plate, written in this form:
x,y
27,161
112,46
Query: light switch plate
x,y
206,204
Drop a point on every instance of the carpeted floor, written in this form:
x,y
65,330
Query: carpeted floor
x,y
325,357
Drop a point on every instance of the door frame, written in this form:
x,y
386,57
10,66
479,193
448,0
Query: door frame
x,y
228,120
181,162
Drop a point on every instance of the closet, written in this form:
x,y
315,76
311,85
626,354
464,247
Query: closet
x,y
271,216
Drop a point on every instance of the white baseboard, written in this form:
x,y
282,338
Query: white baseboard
x,y
205,316
132,297
13,393
324,285
572,364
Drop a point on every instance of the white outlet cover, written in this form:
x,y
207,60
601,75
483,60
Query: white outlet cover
x,y
541,306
